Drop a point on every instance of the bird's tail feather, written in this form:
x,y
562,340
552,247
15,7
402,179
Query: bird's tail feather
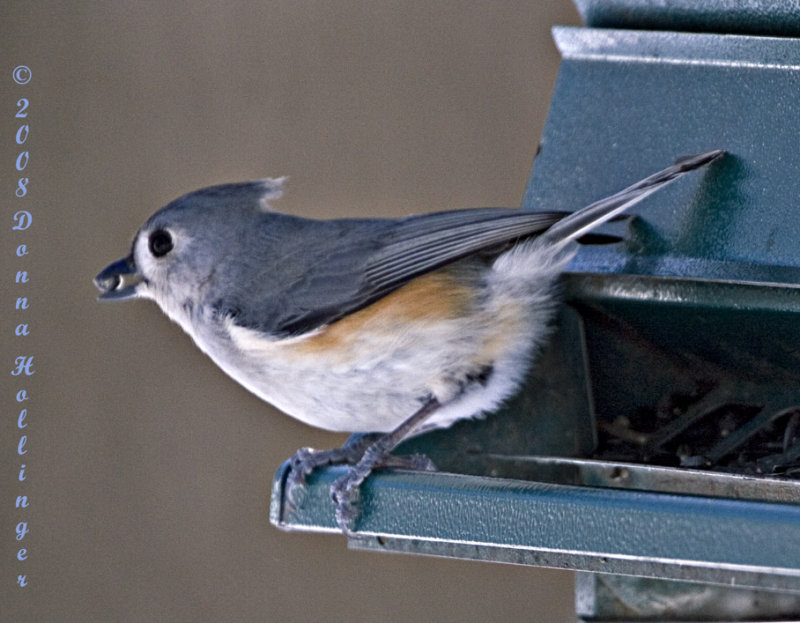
x,y
578,223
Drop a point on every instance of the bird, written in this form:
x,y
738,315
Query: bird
x,y
384,328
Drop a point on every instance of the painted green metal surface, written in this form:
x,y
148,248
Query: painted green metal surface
x,y
627,100
680,536
616,598
752,17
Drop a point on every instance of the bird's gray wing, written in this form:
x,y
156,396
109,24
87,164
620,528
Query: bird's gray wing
x,y
420,244
347,264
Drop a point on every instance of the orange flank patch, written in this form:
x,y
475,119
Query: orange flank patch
x,y
437,295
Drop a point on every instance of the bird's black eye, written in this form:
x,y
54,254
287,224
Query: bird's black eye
x,y
160,243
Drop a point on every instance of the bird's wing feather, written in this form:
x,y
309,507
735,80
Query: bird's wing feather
x,y
418,245
356,262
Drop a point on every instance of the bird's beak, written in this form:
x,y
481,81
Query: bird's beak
x,y
118,281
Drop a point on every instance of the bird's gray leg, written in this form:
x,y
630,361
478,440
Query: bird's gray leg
x,y
345,491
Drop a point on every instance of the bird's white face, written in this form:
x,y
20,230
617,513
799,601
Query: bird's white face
x,y
175,284
160,267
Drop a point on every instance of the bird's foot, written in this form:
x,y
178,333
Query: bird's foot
x,y
364,454
306,460
346,491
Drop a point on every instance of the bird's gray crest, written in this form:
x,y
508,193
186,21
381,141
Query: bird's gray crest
x,y
256,193
271,188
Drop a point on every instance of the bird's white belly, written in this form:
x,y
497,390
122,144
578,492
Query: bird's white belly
x,y
372,385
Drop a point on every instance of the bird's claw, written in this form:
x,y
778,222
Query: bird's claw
x,y
346,491
301,466
363,458
346,495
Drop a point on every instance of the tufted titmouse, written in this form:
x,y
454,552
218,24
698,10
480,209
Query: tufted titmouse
x,y
392,326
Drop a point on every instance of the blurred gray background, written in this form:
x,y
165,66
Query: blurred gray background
x,y
148,469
